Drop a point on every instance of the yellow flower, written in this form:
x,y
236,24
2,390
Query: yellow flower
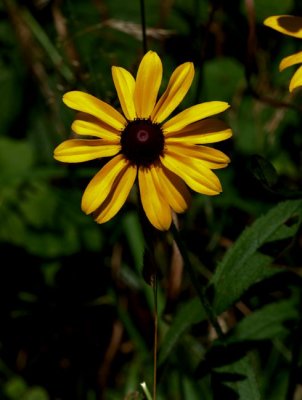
x,y
292,26
165,156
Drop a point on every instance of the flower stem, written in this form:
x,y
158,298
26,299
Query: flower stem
x,y
143,21
194,279
154,286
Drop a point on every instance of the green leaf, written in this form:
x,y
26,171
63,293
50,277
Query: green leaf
x,y
244,264
48,244
190,313
266,323
38,197
222,77
48,46
15,387
264,9
12,228
263,170
192,390
36,393
16,159
247,387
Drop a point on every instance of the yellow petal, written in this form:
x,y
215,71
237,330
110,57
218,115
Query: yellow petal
x,y
88,125
155,206
125,85
291,60
206,131
117,196
148,80
287,24
212,158
86,103
194,172
193,114
174,189
100,185
178,86
296,80
79,150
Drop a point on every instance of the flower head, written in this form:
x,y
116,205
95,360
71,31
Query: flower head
x,y
292,26
166,157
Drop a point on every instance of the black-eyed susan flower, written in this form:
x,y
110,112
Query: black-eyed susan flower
x,y
292,26
165,157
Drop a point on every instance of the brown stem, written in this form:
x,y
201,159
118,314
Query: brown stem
x,y
155,336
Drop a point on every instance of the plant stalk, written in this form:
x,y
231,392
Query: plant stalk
x,y
154,285
143,21
194,279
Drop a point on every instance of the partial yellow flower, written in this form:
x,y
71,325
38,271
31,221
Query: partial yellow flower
x,y
165,157
292,26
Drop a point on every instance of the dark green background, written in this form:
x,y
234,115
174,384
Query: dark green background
x,y
75,311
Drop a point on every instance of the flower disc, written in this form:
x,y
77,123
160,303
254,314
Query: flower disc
x,y
142,142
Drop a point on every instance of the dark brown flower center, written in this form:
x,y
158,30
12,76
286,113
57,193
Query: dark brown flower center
x,y
142,142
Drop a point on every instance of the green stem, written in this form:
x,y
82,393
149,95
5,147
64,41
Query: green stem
x,y
143,21
154,285
146,391
194,279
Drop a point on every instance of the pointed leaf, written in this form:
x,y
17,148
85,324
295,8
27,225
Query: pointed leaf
x,y
246,386
244,264
266,323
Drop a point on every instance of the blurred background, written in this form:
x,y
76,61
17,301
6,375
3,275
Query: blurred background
x,y
76,310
